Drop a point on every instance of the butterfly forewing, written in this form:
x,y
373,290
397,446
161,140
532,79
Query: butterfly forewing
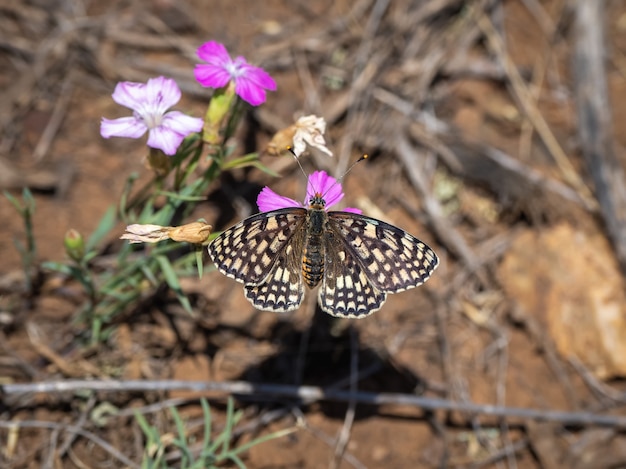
x,y
392,259
250,250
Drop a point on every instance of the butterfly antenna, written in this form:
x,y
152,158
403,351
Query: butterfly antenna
x,y
340,179
297,161
337,181
363,158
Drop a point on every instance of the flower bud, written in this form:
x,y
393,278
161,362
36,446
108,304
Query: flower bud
x,y
216,113
197,232
159,162
74,245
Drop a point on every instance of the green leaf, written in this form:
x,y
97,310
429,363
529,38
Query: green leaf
x,y
199,262
28,207
237,461
145,426
181,441
105,225
153,440
173,283
265,169
96,330
263,439
57,267
147,271
184,198
206,412
16,203
228,428
241,162
130,182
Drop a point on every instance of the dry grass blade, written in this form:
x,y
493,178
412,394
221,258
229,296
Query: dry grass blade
x,y
95,439
525,101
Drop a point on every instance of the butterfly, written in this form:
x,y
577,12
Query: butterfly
x,y
356,260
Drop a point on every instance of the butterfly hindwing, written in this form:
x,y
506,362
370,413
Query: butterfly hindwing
x,y
346,290
282,290
392,259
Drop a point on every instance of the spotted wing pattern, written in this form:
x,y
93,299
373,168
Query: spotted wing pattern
x,y
346,290
283,288
366,259
264,252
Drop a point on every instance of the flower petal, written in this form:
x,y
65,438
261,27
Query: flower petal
x,y
162,93
130,94
333,196
257,75
249,91
182,123
149,103
211,76
165,139
123,127
269,200
319,182
312,122
318,142
310,130
214,53
146,233
327,186
298,144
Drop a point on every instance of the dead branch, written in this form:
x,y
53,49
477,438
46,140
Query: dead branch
x,y
313,394
594,122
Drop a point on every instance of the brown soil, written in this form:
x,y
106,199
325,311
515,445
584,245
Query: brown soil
x,y
464,336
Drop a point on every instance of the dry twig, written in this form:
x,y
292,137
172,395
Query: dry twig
x,y
594,121
526,102
444,230
313,393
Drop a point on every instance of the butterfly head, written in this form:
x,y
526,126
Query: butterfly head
x,y
317,201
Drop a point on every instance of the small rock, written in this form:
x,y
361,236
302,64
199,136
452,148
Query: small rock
x,y
570,281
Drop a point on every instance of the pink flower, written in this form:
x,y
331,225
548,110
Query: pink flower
x,y
250,81
149,103
319,184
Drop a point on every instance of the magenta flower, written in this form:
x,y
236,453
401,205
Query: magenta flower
x,y
319,184
149,103
250,81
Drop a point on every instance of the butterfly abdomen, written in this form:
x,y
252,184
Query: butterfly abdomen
x,y
313,253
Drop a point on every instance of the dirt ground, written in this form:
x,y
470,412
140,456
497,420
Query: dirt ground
x,y
465,108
